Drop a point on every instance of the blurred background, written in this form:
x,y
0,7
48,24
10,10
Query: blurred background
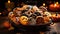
x,y
7,6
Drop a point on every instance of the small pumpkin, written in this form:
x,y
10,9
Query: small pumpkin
x,y
6,24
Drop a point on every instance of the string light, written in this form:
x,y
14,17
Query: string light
x,y
57,2
8,1
43,4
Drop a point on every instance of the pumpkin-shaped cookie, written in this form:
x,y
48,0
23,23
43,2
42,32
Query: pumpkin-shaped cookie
x,y
39,20
46,20
23,20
